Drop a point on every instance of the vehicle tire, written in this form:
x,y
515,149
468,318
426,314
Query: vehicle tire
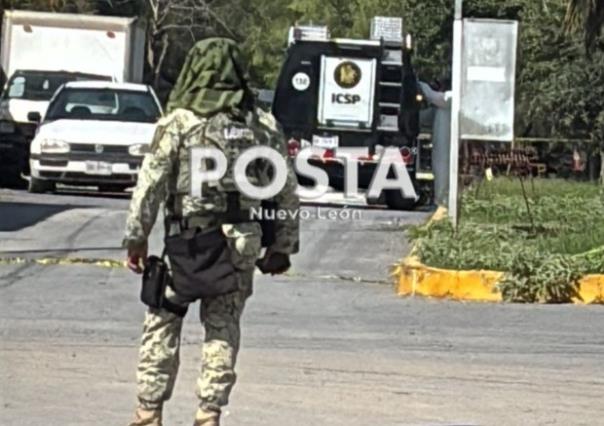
x,y
39,186
12,180
395,201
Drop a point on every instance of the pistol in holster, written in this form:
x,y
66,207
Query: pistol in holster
x,y
156,278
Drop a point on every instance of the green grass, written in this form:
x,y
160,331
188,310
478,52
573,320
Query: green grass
x,y
495,226
543,253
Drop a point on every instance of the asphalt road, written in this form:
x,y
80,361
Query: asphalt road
x,y
329,344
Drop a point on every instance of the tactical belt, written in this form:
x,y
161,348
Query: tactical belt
x,y
202,222
233,214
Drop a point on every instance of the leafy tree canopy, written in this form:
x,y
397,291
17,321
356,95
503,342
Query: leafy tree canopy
x,y
560,90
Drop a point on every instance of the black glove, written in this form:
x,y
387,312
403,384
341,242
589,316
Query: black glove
x,y
273,263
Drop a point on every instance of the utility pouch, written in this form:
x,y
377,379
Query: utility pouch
x,y
201,264
155,281
156,277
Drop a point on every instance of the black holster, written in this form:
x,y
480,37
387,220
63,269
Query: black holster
x,y
156,278
201,264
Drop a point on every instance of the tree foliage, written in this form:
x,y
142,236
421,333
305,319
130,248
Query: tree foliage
x,y
560,90
588,15
497,231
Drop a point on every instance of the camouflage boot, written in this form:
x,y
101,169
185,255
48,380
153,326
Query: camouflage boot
x,y
144,417
207,418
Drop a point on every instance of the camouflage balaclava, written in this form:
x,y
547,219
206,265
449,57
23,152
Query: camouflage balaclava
x,y
213,79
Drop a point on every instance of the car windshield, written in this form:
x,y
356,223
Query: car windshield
x,y
40,86
104,104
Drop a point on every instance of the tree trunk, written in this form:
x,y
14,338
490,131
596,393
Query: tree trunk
x,y
602,166
160,61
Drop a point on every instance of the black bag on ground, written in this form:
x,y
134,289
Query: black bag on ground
x,y
201,264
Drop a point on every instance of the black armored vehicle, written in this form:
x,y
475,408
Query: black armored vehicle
x,y
349,93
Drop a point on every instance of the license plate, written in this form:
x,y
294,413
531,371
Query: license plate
x,y
98,168
326,142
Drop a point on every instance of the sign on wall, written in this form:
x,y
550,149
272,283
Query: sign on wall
x,y
488,79
346,92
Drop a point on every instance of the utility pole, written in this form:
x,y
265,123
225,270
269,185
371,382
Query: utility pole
x,y
455,108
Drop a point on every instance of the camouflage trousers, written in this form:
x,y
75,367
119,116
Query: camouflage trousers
x,y
220,316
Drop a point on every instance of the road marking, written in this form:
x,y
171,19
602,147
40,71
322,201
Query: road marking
x,y
47,261
115,264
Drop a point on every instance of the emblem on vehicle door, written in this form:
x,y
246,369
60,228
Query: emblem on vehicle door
x,y
347,75
98,149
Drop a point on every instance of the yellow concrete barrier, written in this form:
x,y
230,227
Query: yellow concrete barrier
x,y
415,279
592,289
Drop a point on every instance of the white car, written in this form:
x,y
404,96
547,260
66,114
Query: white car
x,y
94,133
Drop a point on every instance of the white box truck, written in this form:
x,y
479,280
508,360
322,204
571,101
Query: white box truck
x,y
42,51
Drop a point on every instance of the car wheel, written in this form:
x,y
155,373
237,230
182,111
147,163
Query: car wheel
x,y
39,186
12,180
395,201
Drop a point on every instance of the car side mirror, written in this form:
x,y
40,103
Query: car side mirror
x,y
34,116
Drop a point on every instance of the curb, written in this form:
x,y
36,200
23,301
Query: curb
x,y
412,278
416,279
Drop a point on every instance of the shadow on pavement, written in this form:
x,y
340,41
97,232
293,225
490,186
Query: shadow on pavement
x,y
92,193
15,216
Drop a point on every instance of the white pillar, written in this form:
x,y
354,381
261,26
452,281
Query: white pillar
x,y
455,108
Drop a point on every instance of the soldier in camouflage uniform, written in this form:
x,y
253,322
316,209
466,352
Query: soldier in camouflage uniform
x,y
210,104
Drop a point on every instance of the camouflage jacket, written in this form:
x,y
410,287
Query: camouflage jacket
x,y
165,173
